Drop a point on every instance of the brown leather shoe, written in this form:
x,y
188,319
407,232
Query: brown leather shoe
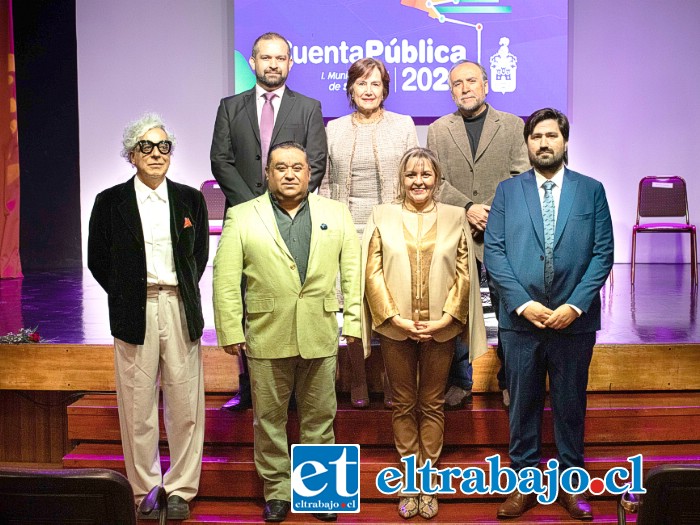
x,y
576,505
516,505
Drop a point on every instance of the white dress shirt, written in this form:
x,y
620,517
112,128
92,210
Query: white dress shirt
x,y
558,181
154,209
260,100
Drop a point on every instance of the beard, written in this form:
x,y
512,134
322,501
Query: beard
x,y
472,108
266,81
551,163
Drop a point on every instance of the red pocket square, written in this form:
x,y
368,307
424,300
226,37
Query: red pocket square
x,y
188,223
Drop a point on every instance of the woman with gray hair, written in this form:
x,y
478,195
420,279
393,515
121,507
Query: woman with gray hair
x,y
421,290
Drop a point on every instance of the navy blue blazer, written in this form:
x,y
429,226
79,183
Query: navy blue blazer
x,y
117,258
583,249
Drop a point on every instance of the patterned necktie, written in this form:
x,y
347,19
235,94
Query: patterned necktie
x,y
267,123
548,218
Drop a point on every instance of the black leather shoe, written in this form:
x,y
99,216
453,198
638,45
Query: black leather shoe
x,y
151,505
457,397
276,510
243,399
325,516
178,508
153,515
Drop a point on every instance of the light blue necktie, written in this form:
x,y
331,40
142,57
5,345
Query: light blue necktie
x,y
549,222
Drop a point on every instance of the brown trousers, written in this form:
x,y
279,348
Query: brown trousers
x,y
418,374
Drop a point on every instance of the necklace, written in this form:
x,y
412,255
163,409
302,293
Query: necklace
x,y
372,119
409,207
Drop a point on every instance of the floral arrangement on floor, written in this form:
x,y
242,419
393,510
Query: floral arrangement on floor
x,y
24,335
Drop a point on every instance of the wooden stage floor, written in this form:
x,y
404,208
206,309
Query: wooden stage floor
x,y
69,307
644,397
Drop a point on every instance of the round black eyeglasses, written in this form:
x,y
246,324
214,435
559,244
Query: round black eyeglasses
x,y
146,146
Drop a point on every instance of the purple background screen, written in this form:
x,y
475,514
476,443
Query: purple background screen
x,y
522,44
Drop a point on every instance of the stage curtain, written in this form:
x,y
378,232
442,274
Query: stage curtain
x,y
10,265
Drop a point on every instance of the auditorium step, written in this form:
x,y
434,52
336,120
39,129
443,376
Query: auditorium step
x,y
247,512
611,417
662,426
229,472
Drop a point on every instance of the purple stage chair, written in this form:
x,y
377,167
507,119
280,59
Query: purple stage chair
x,y
216,204
664,197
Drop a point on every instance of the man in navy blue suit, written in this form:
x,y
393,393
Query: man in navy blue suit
x,y
549,250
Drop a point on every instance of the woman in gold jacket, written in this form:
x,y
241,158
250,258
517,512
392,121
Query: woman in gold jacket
x,y
421,290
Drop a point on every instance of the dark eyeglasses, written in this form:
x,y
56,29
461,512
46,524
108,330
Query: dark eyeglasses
x,y
146,146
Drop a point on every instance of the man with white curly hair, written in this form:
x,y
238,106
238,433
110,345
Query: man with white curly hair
x,y
148,247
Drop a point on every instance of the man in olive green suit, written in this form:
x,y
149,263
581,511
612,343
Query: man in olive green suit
x,y
290,245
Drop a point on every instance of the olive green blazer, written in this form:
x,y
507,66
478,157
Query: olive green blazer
x,y
283,317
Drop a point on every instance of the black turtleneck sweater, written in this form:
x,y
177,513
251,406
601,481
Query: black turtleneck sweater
x,y
474,125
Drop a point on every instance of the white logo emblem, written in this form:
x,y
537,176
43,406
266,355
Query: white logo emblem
x,y
503,68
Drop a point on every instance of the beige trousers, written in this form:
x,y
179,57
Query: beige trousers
x,y
170,362
418,375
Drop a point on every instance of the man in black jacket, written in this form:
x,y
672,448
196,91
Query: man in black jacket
x,y
148,247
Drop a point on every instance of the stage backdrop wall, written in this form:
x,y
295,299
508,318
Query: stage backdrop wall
x,y
632,99
167,56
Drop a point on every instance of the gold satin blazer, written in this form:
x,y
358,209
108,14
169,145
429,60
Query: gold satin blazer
x,y
390,277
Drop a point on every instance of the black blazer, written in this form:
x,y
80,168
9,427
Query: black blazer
x,y
117,258
236,161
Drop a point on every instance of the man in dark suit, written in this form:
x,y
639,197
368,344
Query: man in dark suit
x,y
549,250
148,247
248,125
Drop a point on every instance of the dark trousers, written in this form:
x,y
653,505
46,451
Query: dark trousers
x,y
461,371
531,356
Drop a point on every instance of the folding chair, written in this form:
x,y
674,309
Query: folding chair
x,y
216,205
664,197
